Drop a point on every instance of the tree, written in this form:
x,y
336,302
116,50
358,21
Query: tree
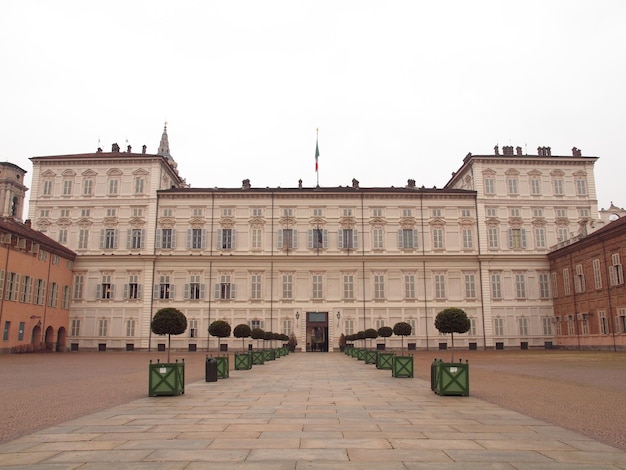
x,y
242,331
360,335
168,321
385,332
452,320
220,329
402,329
370,333
257,333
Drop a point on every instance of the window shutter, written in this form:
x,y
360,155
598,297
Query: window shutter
x,y
1,283
189,231
139,291
400,239
523,234
203,239
279,239
142,245
186,292
216,292
232,291
112,291
173,238
510,238
415,238
612,275
325,238
125,294
355,238
340,239
233,240
218,242
159,238
202,291
155,291
102,235
310,238
116,236
295,239
98,291
128,237
172,291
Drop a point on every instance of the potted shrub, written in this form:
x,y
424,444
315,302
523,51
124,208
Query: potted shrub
x,y
449,378
402,366
243,361
167,378
268,354
220,329
370,354
257,356
384,359
360,336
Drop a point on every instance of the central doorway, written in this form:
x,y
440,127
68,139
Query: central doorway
x,y
317,331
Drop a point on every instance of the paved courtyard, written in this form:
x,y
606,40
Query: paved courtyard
x,y
309,411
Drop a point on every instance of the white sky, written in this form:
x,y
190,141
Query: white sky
x,y
398,89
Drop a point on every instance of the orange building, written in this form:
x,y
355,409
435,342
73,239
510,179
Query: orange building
x,y
588,289
35,289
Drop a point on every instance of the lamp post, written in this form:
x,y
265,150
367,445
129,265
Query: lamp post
x,y
338,318
297,319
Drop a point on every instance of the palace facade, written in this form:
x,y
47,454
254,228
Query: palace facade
x,y
300,260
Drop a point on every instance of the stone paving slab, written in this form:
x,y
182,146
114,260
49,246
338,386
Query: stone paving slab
x,y
309,411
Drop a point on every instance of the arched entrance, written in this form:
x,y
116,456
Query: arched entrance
x,y
61,337
317,331
49,338
36,335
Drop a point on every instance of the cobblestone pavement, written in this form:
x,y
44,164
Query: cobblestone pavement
x,y
579,391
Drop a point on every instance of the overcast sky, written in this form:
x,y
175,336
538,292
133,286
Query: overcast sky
x,y
398,89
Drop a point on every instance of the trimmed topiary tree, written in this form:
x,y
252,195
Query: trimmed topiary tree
x,y
242,331
370,334
360,336
402,329
168,321
219,329
385,332
452,320
257,333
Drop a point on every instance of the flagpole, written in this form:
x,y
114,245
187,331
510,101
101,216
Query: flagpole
x,y
317,154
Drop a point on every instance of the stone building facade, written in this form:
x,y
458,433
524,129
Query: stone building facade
x,y
312,261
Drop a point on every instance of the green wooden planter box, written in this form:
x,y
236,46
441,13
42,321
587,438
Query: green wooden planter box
x,y
166,379
284,351
243,361
258,358
370,357
222,367
384,360
402,366
268,355
348,351
277,353
361,354
451,378
353,352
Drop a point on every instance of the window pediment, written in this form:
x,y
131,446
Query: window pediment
x,y
137,222
69,173
110,222
114,172
489,172
89,173
48,174
140,172
557,173
511,172
407,222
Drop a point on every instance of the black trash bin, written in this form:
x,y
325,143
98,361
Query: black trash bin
x,y
211,369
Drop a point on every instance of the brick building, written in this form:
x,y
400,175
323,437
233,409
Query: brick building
x,y
588,289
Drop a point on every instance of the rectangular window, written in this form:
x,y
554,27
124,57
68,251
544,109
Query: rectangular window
x,y
535,186
287,239
493,238
616,273
137,212
517,238
348,286
258,212
62,236
347,212
168,212
7,328
436,212
196,239
225,290
466,212
47,188
318,292
440,286
226,239
492,212
579,280
139,183
562,234
318,238
473,327
13,282
603,323
581,187
27,289
546,324
540,237
467,238
135,239
103,327
83,239
288,286
87,187
108,239
498,326
65,212
105,288
377,212
544,285
167,239
554,285
256,238
438,243
407,238
195,288
407,213
583,213
512,184
561,213
197,212
470,285
75,327
348,239
377,239
538,212
193,328
409,286
496,286
164,290
53,294
85,213
287,328
79,281
113,186
566,281
66,300
558,187
134,288
255,288
523,326
379,286
67,187
597,274
520,285
490,185
515,212
130,327
349,326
